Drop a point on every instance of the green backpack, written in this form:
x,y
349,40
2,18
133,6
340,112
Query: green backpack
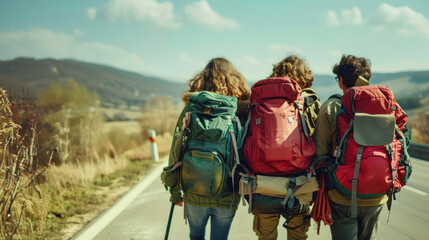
x,y
210,149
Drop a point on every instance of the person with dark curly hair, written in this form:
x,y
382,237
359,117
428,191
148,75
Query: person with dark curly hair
x,y
344,227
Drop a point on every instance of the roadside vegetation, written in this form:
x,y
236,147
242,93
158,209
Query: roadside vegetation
x,y
420,128
419,119
59,168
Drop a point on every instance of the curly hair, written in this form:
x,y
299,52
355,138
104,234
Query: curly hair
x,y
351,67
295,68
221,77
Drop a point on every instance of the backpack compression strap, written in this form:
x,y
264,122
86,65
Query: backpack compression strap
x,y
355,180
249,179
289,199
246,125
234,146
234,140
401,134
303,123
338,152
391,193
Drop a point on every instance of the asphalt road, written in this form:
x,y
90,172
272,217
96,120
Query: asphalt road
x,y
143,214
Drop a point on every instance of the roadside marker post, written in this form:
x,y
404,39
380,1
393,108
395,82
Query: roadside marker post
x,y
153,145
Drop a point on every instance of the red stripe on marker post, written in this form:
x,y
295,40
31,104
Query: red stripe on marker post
x,y
153,146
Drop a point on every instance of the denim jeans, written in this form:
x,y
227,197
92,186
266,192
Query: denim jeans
x,y
363,227
220,222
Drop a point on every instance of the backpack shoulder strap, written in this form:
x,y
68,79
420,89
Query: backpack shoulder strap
x,y
309,96
311,108
337,96
303,122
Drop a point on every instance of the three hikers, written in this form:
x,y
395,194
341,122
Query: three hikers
x,y
225,145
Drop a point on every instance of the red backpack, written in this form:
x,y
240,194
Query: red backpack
x,y
371,158
278,142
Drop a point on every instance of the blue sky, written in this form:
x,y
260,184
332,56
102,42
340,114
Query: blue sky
x,y
175,39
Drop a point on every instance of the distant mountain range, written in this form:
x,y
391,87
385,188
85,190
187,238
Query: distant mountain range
x,y
412,84
118,87
114,86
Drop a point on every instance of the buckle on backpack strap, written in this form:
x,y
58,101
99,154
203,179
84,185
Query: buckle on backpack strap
x,y
289,198
298,105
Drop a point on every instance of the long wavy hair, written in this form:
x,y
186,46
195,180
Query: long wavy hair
x,y
295,68
221,77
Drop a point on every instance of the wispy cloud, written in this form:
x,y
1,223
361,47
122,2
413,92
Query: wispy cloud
x,y
78,32
346,17
253,67
352,16
334,53
331,19
137,11
403,20
187,59
250,60
42,43
91,13
202,13
285,48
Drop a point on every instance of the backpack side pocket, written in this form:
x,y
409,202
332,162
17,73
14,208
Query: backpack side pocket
x,y
171,175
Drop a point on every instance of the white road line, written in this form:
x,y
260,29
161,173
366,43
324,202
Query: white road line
x,y
120,206
419,161
415,190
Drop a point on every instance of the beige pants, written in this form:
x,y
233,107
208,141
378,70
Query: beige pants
x,y
265,226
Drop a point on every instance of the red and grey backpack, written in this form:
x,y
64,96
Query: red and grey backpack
x,y
278,140
371,159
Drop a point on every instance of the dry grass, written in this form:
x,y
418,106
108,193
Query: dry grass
x,y
114,113
94,171
143,151
161,115
420,128
33,210
74,193
83,173
129,127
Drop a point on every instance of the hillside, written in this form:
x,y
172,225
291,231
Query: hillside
x,y
118,87
114,86
403,84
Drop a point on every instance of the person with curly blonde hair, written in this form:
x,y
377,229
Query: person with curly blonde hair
x,y
265,225
295,68
221,77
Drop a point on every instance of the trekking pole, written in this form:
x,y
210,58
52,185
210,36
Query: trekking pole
x,y
167,231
